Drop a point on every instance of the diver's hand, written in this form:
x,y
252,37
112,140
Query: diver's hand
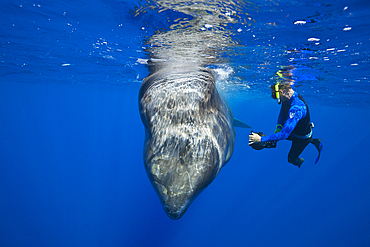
x,y
254,138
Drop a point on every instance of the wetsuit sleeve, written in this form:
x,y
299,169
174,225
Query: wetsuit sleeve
x,y
295,114
280,118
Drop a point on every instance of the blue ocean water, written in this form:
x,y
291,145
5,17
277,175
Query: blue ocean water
x,y
71,138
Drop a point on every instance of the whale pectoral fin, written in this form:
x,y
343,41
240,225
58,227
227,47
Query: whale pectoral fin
x,y
240,124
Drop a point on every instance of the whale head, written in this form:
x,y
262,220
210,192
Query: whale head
x,y
181,171
189,134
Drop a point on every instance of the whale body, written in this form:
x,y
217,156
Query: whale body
x,y
189,135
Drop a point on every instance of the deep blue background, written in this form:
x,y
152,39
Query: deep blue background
x,y
71,139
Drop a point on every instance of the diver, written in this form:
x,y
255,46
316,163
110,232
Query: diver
x,y
294,124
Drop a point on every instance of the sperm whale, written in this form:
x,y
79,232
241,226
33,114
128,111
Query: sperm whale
x,y
189,134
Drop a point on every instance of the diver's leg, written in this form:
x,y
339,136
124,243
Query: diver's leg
x,y
298,145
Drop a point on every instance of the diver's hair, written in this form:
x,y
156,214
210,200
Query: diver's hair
x,y
282,86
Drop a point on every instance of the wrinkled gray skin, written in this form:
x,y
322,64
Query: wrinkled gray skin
x,y
188,134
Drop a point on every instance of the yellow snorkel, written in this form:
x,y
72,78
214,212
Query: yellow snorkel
x,y
277,93
280,74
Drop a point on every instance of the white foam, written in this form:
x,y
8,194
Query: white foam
x,y
313,39
300,22
223,73
142,61
347,28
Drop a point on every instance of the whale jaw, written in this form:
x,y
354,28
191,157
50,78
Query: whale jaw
x,y
179,180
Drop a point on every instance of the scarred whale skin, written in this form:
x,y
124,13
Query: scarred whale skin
x,y
189,135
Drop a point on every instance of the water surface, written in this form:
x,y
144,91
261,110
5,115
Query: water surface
x,y
71,169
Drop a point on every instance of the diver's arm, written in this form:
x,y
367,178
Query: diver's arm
x,y
280,122
280,118
289,126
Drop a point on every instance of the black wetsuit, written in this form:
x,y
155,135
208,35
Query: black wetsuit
x,y
295,118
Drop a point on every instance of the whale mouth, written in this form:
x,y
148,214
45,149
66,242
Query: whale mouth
x,y
175,213
179,179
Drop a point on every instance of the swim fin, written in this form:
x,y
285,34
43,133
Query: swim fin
x,y
298,162
319,147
